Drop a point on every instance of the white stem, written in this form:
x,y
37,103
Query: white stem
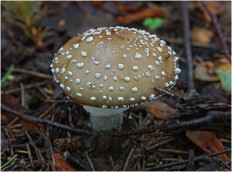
x,y
105,119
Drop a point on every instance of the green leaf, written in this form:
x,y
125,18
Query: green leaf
x,y
225,78
153,23
7,74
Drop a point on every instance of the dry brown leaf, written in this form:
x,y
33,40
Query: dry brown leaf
x,y
30,124
60,163
153,11
157,108
206,70
207,141
161,110
201,35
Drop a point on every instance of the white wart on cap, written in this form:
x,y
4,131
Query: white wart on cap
x,y
115,67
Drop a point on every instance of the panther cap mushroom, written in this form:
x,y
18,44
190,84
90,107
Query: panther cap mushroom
x,y
115,67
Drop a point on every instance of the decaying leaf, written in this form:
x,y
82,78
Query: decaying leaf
x,y
141,14
60,163
158,109
205,71
161,110
201,35
31,125
215,71
207,141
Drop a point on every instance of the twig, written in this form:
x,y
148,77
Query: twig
x,y
128,159
47,110
33,73
26,87
160,143
22,94
163,91
30,155
219,31
51,123
208,119
188,50
190,163
185,161
170,151
90,161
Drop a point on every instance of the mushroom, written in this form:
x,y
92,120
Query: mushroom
x,y
110,69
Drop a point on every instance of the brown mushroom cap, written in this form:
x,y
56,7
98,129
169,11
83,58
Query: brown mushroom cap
x,y
115,67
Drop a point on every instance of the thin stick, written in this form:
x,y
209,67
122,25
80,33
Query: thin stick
x,y
90,161
163,91
30,155
22,94
188,50
128,159
33,73
185,161
26,87
47,110
160,143
208,119
219,31
51,123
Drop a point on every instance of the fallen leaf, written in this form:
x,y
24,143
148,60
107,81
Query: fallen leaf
x,y
207,141
161,110
219,70
224,74
31,125
153,23
201,35
158,109
60,163
153,11
205,71
212,6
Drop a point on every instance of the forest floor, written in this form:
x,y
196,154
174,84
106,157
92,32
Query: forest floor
x,y
42,130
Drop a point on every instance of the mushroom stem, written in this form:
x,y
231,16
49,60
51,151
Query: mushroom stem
x,y
105,119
